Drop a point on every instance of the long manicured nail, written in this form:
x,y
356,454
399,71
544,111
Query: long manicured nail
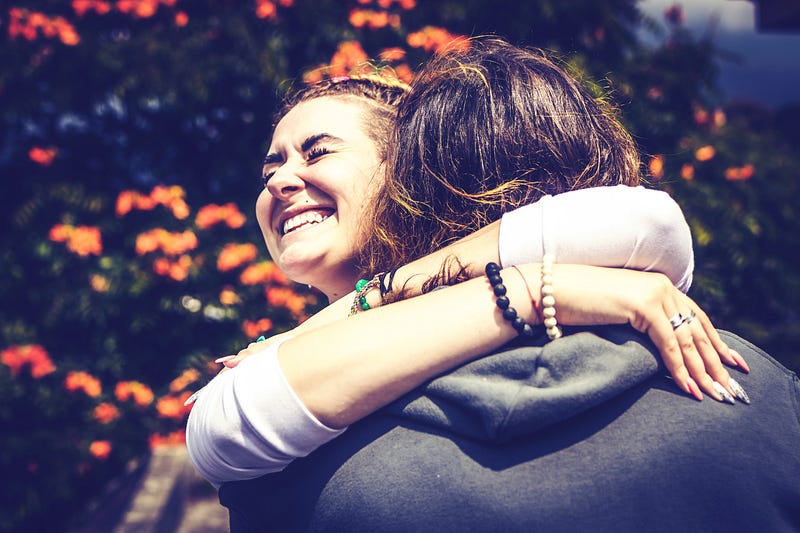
x,y
740,360
739,392
694,390
261,338
191,399
223,359
726,396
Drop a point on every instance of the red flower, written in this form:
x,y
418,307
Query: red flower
x,y
142,394
740,173
101,449
254,329
80,380
42,156
105,413
32,355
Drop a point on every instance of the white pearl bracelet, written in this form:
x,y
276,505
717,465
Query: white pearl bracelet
x,y
548,300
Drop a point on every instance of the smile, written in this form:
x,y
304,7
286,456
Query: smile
x,y
305,219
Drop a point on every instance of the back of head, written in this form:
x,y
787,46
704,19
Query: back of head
x,y
484,131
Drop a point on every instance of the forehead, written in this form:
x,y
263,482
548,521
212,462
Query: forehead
x,y
342,117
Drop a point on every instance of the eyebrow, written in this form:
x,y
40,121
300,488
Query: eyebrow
x,y
307,144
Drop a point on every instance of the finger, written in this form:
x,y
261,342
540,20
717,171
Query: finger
x,y
725,353
694,363
710,360
663,336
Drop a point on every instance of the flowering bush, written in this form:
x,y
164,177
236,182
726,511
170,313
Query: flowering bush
x,y
76,417
128,260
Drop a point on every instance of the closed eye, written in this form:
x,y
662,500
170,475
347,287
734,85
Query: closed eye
x,y
317,152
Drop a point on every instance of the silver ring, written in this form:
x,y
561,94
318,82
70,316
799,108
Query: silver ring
x,y
676,320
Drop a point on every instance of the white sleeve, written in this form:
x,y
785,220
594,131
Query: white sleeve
x,y
248,422
618,226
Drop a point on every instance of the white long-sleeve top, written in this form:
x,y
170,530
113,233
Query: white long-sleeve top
x,y
248,421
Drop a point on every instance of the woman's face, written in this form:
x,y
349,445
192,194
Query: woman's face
x,y
319,173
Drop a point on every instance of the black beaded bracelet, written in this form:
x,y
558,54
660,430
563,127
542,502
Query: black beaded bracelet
x,y
509,313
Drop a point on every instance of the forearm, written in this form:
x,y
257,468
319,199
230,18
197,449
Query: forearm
x,y
346,370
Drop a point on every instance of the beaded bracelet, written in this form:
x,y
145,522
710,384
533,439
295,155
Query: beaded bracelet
x,y
363,286
502,301
548,299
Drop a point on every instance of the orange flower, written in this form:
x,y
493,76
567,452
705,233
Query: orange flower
x,y
172,406
60,232
176,438
42,156
656,166
392,54
125,202
99,283
178,243
263,272
33,355
181,19
740,173
436,39
66,32
266,9
80,380
358,17
404,73
228,296
719,118
687,171
101,449
254,329
212,214
142,394
85,240
348,55
705,153
235,255
81,7
105,413
285,297
189,376
179,270
700,116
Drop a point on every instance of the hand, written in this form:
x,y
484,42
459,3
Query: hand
x,y
231,361
692,349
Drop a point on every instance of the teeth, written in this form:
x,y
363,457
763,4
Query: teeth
x,y
308,217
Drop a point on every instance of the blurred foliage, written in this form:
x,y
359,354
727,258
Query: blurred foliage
x,y
131,134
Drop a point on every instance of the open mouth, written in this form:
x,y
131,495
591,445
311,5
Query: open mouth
x,y
305,219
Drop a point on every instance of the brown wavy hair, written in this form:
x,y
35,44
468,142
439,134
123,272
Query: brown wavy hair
x,y
484,131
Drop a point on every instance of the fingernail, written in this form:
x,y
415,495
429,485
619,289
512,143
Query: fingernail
x,y
694,390
261,338
726,396
223,359
191,399
740,360
739,392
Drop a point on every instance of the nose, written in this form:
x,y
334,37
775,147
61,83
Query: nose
x,y
285,182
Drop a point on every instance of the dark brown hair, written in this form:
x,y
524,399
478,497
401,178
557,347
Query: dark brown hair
x,y
484,131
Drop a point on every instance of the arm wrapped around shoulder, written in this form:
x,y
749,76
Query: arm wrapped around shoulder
x,y
248,422
619,226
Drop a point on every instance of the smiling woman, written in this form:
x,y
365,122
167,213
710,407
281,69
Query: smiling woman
x,y
319,176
